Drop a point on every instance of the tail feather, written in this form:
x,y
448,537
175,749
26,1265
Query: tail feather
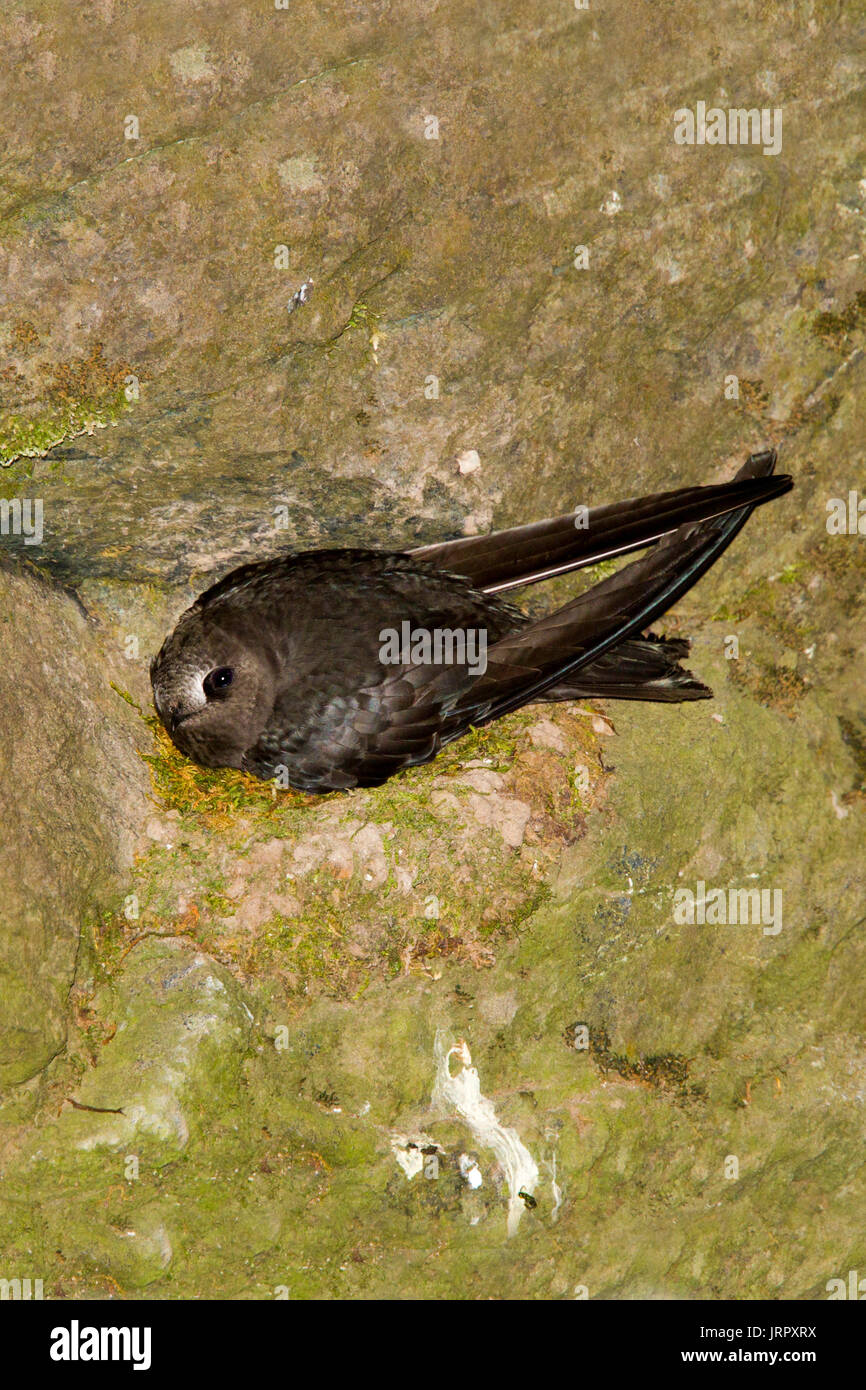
x,y
529,554
638,669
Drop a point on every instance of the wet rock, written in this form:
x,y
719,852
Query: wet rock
x,y
182,1030
74,798
591,311
545,734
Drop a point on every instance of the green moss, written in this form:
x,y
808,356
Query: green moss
x,y
783,611
80,395
791,574
362,316
125,695
313,950
216,797
34,438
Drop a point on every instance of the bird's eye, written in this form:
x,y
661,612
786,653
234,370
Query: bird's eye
x,y
217,682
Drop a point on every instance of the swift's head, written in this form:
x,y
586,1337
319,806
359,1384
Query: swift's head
x,y
213,691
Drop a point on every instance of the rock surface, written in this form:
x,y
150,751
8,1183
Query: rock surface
x,y
74,792
254,1046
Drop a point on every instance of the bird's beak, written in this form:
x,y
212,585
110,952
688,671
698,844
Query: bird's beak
x,y
174,718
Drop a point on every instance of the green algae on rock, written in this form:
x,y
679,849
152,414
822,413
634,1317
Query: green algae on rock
x,y
707,1140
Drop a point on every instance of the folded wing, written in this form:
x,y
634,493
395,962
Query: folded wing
x,y
543,549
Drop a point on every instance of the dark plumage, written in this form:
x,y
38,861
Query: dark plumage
x,y
282,666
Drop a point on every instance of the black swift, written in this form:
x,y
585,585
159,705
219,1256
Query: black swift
x,y
290,666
